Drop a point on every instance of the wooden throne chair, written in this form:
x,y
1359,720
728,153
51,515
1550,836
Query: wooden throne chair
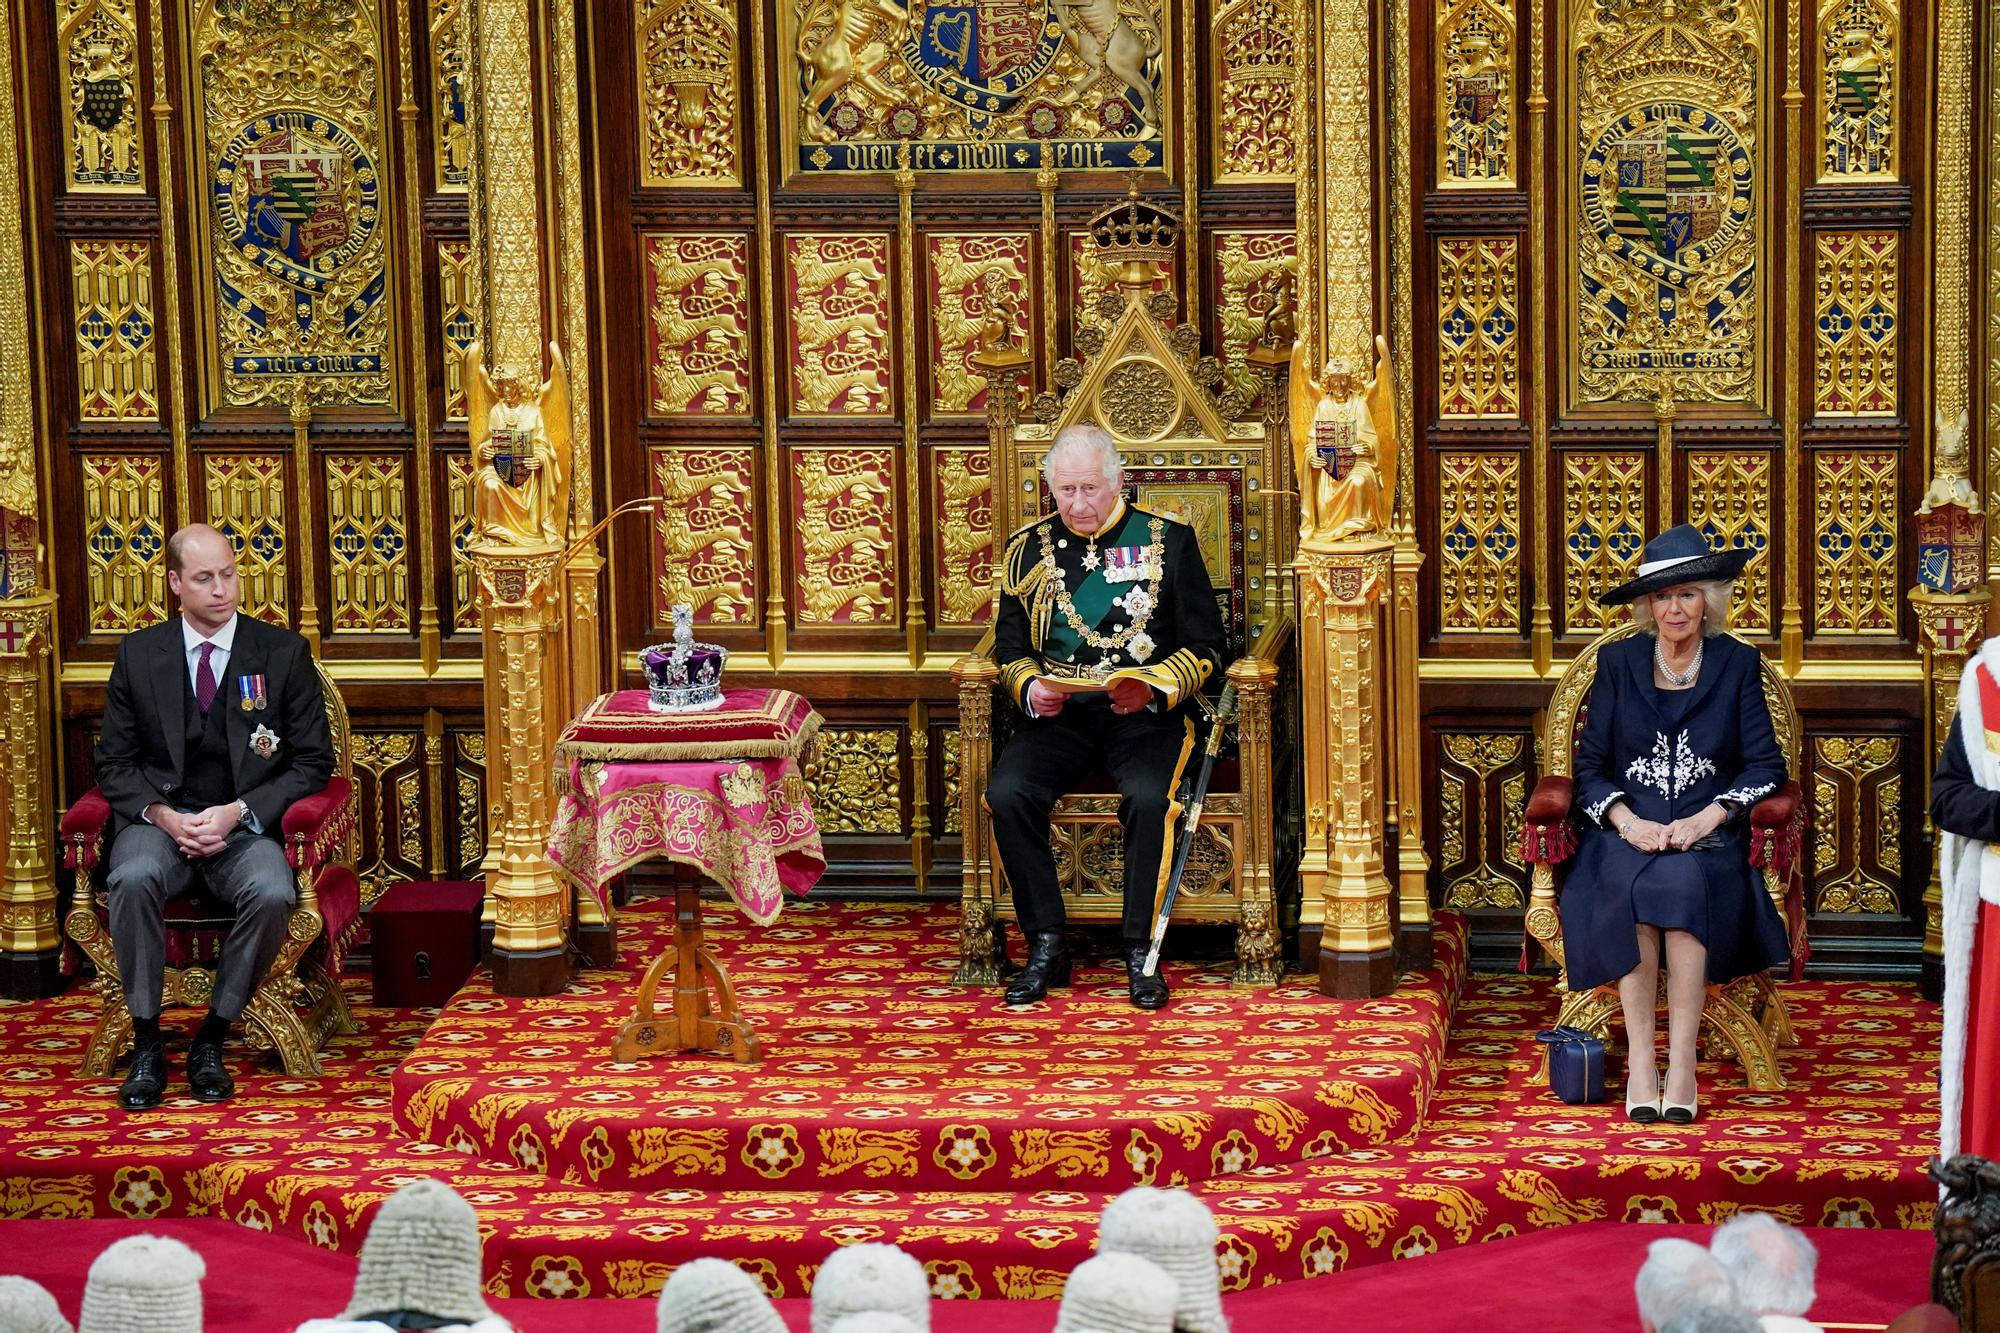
x,y
298,1004
1204,457
1743,1019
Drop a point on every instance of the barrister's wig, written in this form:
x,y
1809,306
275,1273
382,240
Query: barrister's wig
x,y
1175,1230
144,1284
1118,1293
715,1296
27,1307
1679,555
866,1279
421,1256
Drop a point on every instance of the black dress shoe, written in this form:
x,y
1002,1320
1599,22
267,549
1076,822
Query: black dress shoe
x,y
1048,965
146,1082
208,1079
1147,992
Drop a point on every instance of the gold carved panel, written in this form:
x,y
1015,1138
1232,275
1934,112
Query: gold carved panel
x,y
1483,797
1479,327
838,299
97,45
1248,268
1476,94
964,507
1255,52
952,751
1858,63
1604,532
698,323
469,801
459,318
246,503
705,535
1664,202
855,780
112,285
296,220
368,543
844,515
972,274
1857,823
689,105
1856,323
125,540
1856,516
389,776
1002,85
1479,541
451,147
459,511
1729,499
1207,507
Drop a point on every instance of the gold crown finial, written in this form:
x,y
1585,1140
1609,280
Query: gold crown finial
x,y
1135,237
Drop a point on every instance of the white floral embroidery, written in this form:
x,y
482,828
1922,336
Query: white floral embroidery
x,y
1672,768
1596,812
1748,795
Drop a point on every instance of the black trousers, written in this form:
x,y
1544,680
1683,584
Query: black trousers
x,y
1048,758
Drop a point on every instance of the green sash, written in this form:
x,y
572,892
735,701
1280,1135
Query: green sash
x,y
1093,597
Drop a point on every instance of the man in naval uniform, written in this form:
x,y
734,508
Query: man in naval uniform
x,y
1098,587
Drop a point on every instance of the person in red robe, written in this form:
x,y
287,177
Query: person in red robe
x,y
1965,806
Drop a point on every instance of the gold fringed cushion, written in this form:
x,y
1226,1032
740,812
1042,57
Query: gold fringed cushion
x,y
750,724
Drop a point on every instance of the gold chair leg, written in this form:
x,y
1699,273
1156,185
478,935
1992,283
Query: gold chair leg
x,y
1736,1031
111,1038
272,1021
1772,1015
1257,961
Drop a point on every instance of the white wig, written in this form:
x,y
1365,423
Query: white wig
x,y
1773,1265
1087,437
1679,1275
1716,595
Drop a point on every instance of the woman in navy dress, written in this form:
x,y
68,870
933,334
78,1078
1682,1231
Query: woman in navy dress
x,y
1676,746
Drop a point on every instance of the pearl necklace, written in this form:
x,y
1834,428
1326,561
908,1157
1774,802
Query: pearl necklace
x,y
1680,680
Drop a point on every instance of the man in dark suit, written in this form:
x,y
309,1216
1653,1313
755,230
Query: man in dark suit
x,y
1100,587
214,723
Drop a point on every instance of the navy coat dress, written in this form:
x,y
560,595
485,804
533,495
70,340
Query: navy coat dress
x,y
1667,754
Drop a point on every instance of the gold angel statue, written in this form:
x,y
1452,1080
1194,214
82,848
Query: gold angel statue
x,y
520,452
1343,448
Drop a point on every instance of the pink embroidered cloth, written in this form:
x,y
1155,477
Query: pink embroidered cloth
x,y
744,822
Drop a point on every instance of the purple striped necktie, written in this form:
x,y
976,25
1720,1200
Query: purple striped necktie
x,y
204,680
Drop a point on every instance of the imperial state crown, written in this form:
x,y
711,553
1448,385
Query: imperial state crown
x,y
684,676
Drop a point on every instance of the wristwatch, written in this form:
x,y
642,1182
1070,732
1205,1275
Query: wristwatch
x,y
243,812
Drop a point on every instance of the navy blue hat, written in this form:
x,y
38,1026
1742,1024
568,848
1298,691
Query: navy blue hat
x,y
1679,555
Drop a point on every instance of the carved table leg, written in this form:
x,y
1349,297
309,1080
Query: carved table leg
x,y
691,1024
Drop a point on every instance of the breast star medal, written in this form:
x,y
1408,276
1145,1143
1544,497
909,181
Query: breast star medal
x,y
263,742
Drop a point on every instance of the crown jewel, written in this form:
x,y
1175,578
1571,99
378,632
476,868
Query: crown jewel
x,y
684,676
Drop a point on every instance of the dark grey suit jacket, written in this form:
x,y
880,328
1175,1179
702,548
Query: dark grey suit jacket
x,y
142,751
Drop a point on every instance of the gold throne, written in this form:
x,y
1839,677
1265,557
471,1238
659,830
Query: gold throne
x,y
1194,449
1745,1017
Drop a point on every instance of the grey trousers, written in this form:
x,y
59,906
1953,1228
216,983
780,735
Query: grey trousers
x,y
250,873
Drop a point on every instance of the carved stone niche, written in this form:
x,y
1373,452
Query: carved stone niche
x,y
1965,1271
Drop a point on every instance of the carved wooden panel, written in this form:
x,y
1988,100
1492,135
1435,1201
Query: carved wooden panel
x,y
1248,267
1604,531
246,502
705,535
962,503
844,536
1856,520
1255,52
112,285
689,109
1478,327
972,275
1730,500
125,540
855,780
1856,323
389,775
1479,541
837,287
1856,830
698,323
368,543
1483,780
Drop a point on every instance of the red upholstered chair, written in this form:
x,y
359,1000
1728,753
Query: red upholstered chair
x,y
299,1004
1744,1018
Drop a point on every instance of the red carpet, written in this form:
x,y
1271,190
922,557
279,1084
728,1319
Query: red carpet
x,y
1577,1279
598,1178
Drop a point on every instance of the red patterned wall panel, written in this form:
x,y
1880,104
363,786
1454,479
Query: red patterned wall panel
x,y
705,538
698,324
844,535
837,288
962,500
969,274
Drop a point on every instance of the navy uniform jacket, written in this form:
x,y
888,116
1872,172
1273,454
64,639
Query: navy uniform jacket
x,y
1031,636
1721,747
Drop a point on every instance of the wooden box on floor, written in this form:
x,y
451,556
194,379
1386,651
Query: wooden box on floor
x,y
425,940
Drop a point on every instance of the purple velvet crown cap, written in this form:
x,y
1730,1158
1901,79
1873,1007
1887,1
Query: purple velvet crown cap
x,y
684,676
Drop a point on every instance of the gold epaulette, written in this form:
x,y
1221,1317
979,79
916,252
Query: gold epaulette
x,y
1022,569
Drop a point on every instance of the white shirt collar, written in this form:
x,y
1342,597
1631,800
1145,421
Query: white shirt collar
x,y
224,639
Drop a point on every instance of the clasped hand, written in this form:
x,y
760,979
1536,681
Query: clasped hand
x,y
1647,836
201,834
1127,696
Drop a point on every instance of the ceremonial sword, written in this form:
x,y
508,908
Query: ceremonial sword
x,y
1194,793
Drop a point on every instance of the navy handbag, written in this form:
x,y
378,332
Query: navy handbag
x,y
1576,1064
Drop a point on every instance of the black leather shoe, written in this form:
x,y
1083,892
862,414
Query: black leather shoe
x,y
1048,965
208,1079
146,1082
1147,992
